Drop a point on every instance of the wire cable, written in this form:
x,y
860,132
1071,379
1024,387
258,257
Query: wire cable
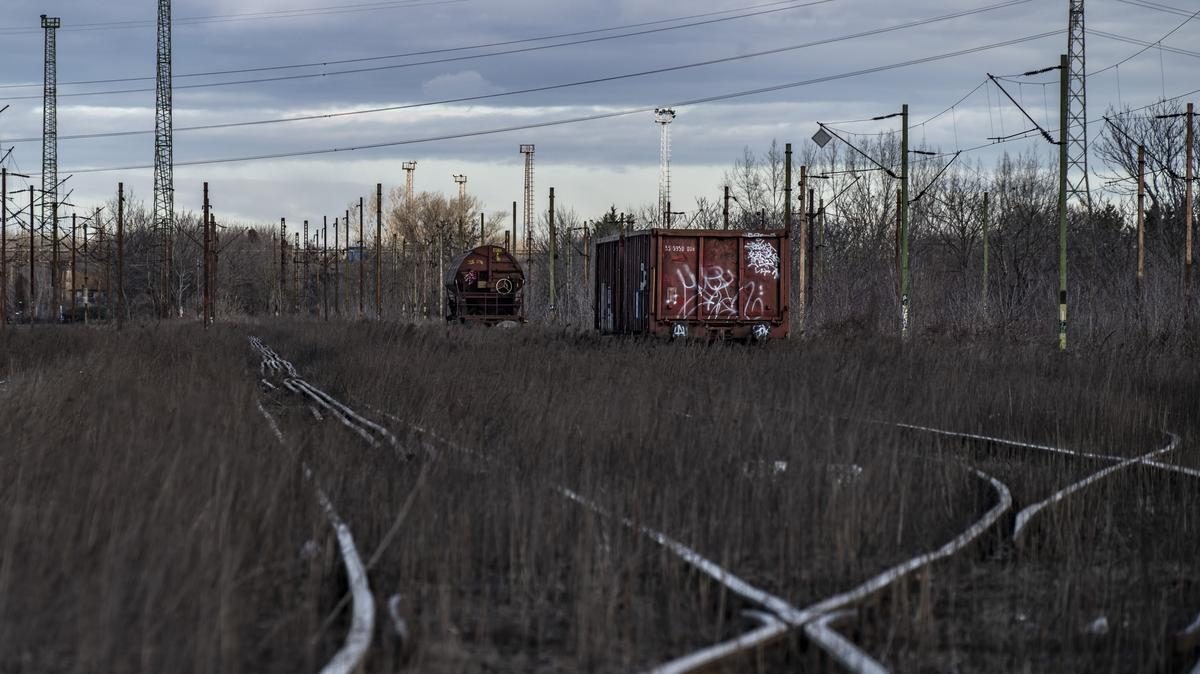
x,y
479,97
868,33
1143,50
1146,4
444,50
598,116
228,18
1143,43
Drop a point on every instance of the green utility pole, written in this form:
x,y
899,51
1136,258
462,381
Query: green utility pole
x,y
986,221
1062,204
904,222
1188,205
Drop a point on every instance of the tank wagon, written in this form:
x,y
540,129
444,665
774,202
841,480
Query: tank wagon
x,y
485,285
693,283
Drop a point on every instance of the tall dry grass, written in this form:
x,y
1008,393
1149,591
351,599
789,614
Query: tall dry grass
x,y
167,502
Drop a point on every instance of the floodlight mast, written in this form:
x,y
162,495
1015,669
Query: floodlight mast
x,y
663,117
528,150
50,130
409,168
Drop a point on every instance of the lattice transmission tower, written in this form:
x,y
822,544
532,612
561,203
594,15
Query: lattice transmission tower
x,y
164,165
50,127
527,150
663,117
1078,187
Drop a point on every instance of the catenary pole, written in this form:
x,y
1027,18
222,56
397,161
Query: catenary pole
x,y
1141,219
1188,204
31,304
74,281
801,250
904,224
280,308
362,282
378,250
121,254
986,223
207,259
1063,73
553,253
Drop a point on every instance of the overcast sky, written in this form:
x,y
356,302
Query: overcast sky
x,y
591,164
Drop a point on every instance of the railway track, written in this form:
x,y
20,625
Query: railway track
x,y
358,639
854,659
774,616
778,617
351,656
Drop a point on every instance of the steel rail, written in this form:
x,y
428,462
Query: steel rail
x,y
365,428
847,654
362,625
1111,458
1028,513
789,616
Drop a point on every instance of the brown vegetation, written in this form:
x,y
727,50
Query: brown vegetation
x,y
149,520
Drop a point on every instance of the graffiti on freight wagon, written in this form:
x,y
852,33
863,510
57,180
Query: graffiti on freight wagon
x,y
762,258
716,294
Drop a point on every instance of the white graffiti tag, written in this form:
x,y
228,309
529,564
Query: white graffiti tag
x,y
714,294
762,258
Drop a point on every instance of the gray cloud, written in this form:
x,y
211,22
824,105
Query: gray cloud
x,y
574,158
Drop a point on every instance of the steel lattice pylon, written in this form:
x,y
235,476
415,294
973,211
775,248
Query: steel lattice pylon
x,y
1078,187
527,150
164,179
50,127
663,117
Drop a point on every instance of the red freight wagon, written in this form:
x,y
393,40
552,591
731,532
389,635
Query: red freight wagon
x,y
693,283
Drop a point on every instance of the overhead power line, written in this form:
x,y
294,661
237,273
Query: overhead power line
x,y
551,87
1143,50
1143,43
244,16
744,13
598,116
944,17
1157,6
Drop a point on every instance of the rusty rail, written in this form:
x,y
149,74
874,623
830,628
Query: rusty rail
x,y
1028,513
362,625
849,655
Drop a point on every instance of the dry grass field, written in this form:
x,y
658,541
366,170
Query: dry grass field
x,y
152,520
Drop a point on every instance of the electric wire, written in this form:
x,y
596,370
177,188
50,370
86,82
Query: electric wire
x,y
481,97
444,50
1146,4
597,116
1143,50
1143,43
413,64
245,16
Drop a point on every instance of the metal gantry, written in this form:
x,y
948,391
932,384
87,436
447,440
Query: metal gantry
x,y
663,117
164,180
1078,187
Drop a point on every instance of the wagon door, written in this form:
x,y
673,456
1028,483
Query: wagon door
x,y
761,290
678,276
